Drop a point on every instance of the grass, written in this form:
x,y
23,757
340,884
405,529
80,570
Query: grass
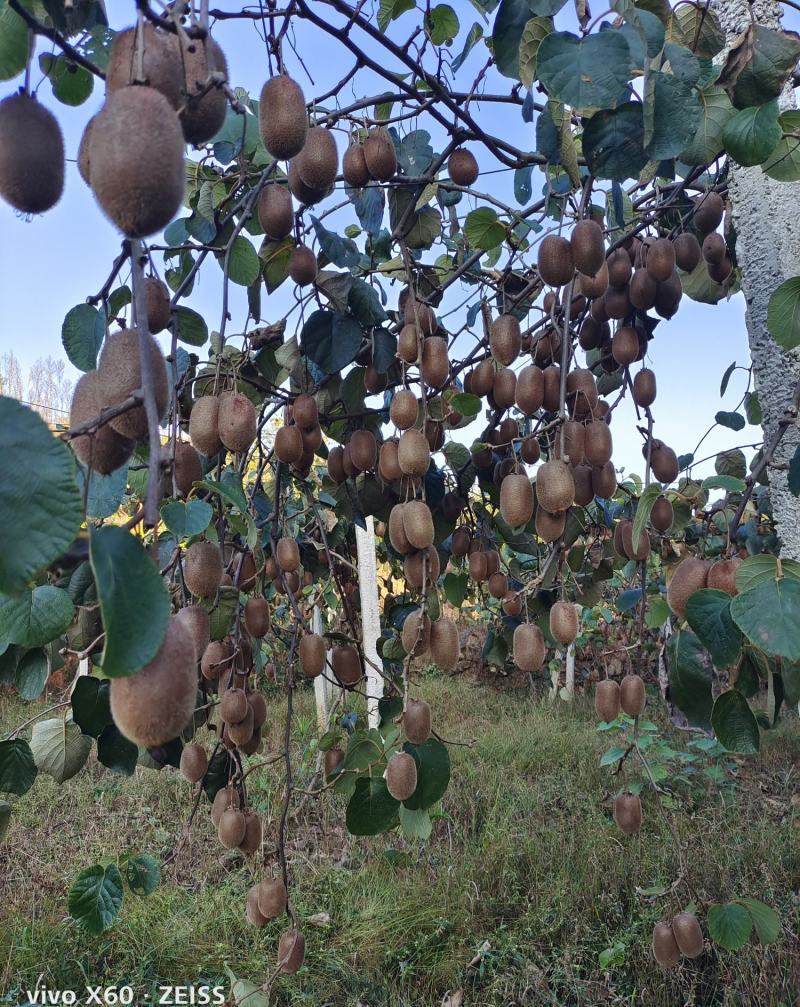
x,y
524,883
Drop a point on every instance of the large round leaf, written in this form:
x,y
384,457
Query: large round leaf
x,y
133,600
690,677
31,674
756,569
115,752
672,114
59,748
751,134
769,616
91,709
729,925
371,809
433,773
143,874
715,110
15,41
783,314
483,229
17,768
40,507
331,340
708,612
509,25
588,73
783,162
82,335
734,723
613,142
95,898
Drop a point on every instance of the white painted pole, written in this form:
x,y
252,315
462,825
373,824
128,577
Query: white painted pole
x,y
322,683
370,616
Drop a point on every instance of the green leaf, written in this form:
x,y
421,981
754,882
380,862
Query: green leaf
x,y
729,925
683,62
59,749
731,484
769,616
17,767
733,421
115,752
752,409
771,58
384,350
483,229
415,824
190,326
672,115
5,819
690,677
40,508
766,920
133,600
764,566
611,756
105,492
244,265
143,874
372,809
783,314
185,520
14,42
751,134
442,24
72,85
715,110
613,142
433,773
783,163
331,340
342,252
466,403
509,26
589,73
274,257
643,510
699,286
365,304
532,34
701,29
95,898
91,709
657,612
391,9
734,723
36,617
455,587
473,37
31,674
243,992
82,334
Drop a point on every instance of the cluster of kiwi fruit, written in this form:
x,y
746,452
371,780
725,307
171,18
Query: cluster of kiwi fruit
x,y
681,936
298,439
371,158
226,421
609,698
401,768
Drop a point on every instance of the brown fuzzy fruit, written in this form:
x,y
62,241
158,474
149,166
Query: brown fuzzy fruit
x,y
272,898
418,524
619,268
389,464
203,110
156,294
714,248
196,620
84,158
204,425
318,161
665,947
256,617
628,813
708,212
161,63
505,339
722,575
597,445
408,344
498,585
105,450
275,211
215,660
252,833
31,155
289,445
445,646
346,666
688,935
669,296
188,468
625,345
555,487
581,392
259,707
291,951
312,654
644,388
237,421
512,603
404,409
528,647
604,481
690,575
416,312
687,251
516,500
153,706
641,550
632,695
504,388
354,166
302,265
552,388
586,244
231,828
303,193
251,912
462,167
416,634
529,450
660,261
606,700
594,286
460,542
119,376
417,721
555,263
643,290
287,554
413,453
233,706
401,776
435,364
397,531
529,389
194,762
564,623
225,798
139,186
584,491
363,450
662,515
663,462
202,569
380,155
282,117
549,527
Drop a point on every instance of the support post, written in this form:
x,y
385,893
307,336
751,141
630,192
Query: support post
x,y
370,616
322,683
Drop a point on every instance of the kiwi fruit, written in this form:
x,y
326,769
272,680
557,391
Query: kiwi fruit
x,y
641,550
256,617
203,111
252,913
663,462
498,585
187,469
607,700
529,390
593,334
161,63
233,706
435,364
363,450
628,813
287,554
625,345
662,515
505,339
418,524
413,453
204,425
237,421
584,491
690,575
552,388
555,263
581,392
604,481
714,248
417,721
312,653
216,659
289,445
401,776
259,707
586,245
231,828
84,159
203,569
31,155
722,575
644,388
226,798
244,571
119,376
549,527
688,935
194,762
555,487
346,665
528,647
282,117
408,344
619,268
462,167
303,193
105,450
460,542
416,634
617,302
252,833
139,186
271,898
389,463
594,286
665,947
512,603
660,261
642,290
669,296
156,294
597,445
720,271
516,500
416,312
445,646
397,531
354,166
291,951
380,155
275,211
335,463
404,409
302,265
318,161
196,620
631,695
153,706
687,251
708,212
305,411
564,624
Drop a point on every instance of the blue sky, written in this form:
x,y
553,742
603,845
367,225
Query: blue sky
x,y
55,261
